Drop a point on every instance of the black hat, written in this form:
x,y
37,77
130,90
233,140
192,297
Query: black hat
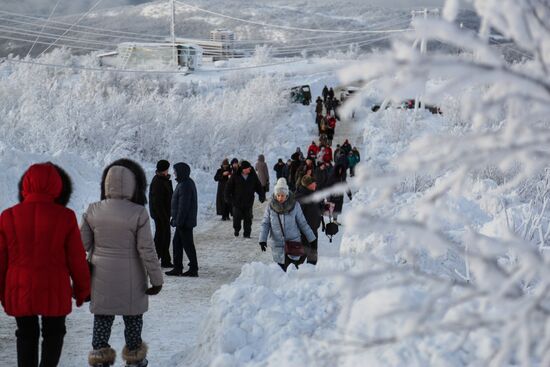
x,y
162,165
234,160
245,164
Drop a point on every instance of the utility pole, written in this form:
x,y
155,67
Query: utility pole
x,y
173,33
423,42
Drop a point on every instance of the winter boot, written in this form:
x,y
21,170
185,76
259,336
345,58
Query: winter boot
x,y
191,273
103,357
135,358
174,272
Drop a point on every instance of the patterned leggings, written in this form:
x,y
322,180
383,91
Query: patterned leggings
x,y
102,331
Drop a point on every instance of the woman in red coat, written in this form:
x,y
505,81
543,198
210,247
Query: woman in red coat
x,y
40,253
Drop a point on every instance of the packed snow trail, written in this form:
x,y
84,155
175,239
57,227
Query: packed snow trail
x,y
172,323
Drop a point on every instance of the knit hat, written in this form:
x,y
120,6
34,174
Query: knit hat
x,y
225,162
234,160
307,180
162,165
245,164
281,187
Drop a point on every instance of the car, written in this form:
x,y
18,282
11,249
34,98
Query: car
x,y
301,94
408,104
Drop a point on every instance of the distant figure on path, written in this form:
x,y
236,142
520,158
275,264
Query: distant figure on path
x,y
184,219
160,201
222,177
239,193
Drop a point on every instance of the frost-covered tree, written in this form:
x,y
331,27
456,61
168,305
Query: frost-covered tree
x,y
448,288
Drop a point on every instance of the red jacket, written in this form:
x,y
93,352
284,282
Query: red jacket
x,y
313,150
327,157
41,250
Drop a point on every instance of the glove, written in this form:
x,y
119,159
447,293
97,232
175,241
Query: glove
x,y
263,245
154,290
173,222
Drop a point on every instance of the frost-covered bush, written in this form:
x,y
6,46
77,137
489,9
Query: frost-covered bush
x,y
102,116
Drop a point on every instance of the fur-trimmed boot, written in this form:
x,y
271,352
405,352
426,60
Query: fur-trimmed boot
x,y
103,357
135,358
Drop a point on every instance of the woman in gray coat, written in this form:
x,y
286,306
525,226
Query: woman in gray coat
x,y
116,233
284,214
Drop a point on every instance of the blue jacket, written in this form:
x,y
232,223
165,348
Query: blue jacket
x,y
184,199
293,221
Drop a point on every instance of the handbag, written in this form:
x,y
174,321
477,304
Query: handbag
x,y
89,261
292,248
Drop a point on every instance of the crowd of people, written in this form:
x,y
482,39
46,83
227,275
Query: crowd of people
x,y
113,260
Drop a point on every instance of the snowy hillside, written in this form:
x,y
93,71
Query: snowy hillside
x,y
102,29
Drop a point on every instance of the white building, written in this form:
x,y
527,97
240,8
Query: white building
x,y
139,55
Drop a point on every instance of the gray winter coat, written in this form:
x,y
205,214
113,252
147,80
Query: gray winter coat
x,y
262,171
293,221
117,233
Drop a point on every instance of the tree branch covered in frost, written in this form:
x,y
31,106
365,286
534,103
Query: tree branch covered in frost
x,y
499,314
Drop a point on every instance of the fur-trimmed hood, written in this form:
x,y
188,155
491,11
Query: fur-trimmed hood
x,y
139,196
285,207
66,185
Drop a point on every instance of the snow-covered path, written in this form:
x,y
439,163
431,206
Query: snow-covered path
x,y
175,315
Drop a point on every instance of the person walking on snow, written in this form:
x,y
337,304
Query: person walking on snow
x,y
184,219
312,212
319,106
234,166
279,168
263,172
325,93
116,232
42,262
312,151
338,177
284,215
346,147
353,160
160,199
239,193
222,176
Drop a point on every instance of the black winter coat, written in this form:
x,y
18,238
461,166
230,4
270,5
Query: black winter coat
x,y
279,170
313,211
222,182
160,198
338,177
322,178
184,200
239,192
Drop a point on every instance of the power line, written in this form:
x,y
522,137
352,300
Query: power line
x,y
76,26
392,23
78,21
46,35
49,43
78,31
286,27
42,30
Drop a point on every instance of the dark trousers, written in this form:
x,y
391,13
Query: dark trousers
x,y
183,240
162,240
289,261
226,211
102,331
28,335
311,249
245,216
